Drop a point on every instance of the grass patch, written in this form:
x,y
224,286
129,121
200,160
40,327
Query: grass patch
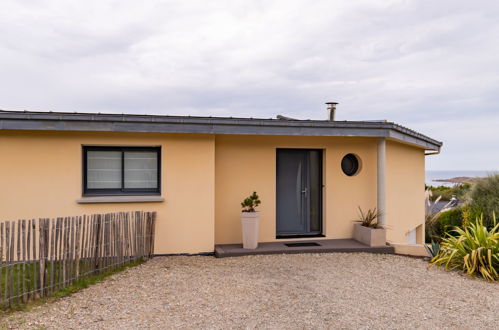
x,y
29,272
85,282
81,283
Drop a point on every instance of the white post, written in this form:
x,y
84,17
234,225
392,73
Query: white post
x,y
381,180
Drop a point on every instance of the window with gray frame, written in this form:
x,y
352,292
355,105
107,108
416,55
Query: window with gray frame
x,y
121,170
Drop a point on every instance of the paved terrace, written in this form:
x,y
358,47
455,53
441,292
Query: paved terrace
x,y
292,247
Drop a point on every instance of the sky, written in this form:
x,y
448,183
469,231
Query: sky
x,y
430,65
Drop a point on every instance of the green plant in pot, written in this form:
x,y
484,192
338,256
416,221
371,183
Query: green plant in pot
x,y
250,219
250,203
367,228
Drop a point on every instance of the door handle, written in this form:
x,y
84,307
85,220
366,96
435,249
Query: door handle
x,y
304,191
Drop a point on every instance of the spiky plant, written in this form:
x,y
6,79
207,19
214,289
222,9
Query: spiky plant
x,y
369,218
474,250
433,249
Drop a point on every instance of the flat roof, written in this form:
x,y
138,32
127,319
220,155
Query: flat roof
x,y
137,123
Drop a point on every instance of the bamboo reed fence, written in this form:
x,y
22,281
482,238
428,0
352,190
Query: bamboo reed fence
x,y
40,256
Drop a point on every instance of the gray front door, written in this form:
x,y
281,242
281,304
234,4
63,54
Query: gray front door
x,y
299,192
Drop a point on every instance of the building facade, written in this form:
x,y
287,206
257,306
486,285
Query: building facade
x,y
312,176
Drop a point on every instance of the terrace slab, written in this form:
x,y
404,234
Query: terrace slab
x,y
293,247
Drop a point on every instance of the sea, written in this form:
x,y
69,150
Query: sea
x,y
434,175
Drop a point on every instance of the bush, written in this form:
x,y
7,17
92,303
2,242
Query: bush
x,y
474,250
444,223
485,198
461,191
448,220
443,191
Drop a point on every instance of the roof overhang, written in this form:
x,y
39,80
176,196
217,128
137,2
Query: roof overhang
x,y
63,121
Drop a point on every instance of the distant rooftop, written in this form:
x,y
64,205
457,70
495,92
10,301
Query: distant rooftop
x,y
75,121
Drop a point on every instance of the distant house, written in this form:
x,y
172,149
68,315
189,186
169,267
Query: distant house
x,y
311,175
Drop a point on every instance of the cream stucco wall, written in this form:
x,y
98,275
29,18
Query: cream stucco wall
x,y
41,176
247,163
204,179
405,178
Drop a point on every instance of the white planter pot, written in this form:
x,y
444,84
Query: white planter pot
x,y
249,223
369,236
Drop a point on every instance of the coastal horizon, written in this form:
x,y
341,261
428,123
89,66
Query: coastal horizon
x,y
432,175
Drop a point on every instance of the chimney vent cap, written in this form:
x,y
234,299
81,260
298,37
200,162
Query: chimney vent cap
x,y
331,108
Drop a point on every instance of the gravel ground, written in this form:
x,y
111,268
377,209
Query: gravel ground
x,y
339,290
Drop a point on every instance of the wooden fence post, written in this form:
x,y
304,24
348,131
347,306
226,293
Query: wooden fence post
x,y
52,255
35,276
97,243
77,259
3,263
28,256
7,266
41,249
23,243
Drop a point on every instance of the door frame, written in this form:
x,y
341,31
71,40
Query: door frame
x,y
319,233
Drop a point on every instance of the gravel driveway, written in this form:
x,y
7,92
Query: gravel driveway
x,y
339,290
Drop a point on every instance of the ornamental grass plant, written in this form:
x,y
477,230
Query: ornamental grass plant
x,y
369,218
473,249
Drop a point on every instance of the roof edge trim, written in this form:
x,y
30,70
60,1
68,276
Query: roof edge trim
x,y
61,121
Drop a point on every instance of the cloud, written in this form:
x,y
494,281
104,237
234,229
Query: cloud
x,y
430,65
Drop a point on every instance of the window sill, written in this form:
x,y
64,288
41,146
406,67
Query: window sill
x,y
120,199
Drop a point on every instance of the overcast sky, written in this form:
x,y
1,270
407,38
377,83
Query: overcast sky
x,y
430,65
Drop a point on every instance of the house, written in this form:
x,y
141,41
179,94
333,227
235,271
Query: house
x,y
311,175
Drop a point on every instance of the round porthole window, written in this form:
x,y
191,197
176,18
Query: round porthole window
x,y
350,165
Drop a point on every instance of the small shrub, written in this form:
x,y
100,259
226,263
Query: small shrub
x,y
432,223
461,191
448,220
445,193
433,249
369,219
249,204
485,198
474,250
